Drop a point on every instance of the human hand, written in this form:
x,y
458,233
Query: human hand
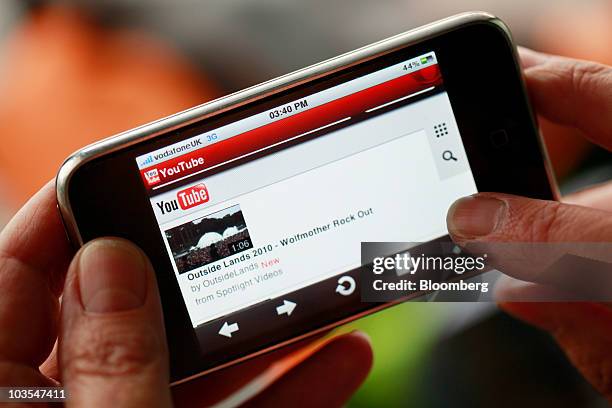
x,y
111,347
576,94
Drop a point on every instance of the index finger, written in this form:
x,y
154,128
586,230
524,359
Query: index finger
x,y
571,92
34,254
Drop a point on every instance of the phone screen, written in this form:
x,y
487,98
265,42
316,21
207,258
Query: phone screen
x,y
281,199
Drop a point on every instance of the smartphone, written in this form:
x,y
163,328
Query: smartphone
x,y
252,207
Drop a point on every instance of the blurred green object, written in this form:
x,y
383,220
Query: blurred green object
x,y
401,338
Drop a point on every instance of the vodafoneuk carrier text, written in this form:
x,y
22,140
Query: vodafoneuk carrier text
x,y
181,148
269,225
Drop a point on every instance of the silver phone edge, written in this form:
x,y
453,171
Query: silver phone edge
x,y
256,92
234,100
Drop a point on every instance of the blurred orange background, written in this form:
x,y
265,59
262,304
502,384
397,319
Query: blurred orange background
x,y
75,73
68,78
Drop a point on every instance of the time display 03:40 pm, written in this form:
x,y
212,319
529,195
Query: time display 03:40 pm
x,y
288,109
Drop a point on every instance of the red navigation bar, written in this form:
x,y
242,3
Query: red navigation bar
x,y
282,130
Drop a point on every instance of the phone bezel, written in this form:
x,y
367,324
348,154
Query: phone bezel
x,y
148,133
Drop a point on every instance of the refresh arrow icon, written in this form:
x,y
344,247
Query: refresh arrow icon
x,y
346,285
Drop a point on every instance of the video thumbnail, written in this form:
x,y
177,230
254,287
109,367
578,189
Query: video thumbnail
x,y
209,239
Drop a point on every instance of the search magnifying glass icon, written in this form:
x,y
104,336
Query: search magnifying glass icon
x,y
448,155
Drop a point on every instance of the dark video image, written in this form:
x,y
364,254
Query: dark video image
x,y
209,239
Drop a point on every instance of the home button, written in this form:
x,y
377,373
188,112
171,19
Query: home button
x,y
499,138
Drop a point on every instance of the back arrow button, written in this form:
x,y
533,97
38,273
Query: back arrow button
x,y
228,329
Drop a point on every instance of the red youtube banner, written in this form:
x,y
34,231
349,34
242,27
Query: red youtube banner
x,y
290,127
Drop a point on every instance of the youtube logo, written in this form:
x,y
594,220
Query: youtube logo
x,y
192,196
152,176
172,169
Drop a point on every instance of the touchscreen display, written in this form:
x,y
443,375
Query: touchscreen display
x,y
277,201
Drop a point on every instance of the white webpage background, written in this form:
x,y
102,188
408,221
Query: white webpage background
x,y
395,175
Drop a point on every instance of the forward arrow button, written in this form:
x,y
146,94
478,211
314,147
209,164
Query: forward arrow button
x,y
286,308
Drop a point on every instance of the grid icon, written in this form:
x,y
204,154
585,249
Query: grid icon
x,y
441,129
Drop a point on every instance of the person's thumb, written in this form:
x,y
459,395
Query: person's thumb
x,y
525,237
568,247
504,217
112,346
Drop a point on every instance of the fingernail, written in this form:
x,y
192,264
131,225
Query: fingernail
x,y
112,276
475,216
531,58
363,335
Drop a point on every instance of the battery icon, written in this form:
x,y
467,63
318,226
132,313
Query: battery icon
x,y
426,59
